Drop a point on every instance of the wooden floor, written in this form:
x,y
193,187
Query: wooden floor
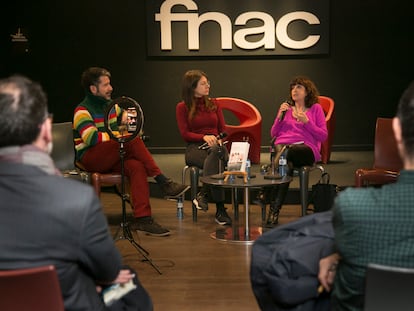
x,y
198,272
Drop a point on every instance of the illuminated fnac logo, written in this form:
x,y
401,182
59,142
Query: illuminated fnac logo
x,y
237,27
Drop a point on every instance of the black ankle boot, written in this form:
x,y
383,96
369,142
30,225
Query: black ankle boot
x,y
222,218
273,216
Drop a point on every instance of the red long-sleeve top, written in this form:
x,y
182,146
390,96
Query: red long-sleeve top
x,y
204,122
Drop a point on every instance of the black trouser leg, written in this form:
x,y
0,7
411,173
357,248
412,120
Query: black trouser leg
x,y
278,196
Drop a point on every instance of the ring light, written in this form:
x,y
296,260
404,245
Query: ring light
x,y
124,119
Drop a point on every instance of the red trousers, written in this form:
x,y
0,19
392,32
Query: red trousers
x,y
138,163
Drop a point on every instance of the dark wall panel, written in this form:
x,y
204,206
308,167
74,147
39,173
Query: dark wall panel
x,y
368,67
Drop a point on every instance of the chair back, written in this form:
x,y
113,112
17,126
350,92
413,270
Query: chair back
x,y
386,154
63,153
328,106
387,161
388,288
249,127
34,289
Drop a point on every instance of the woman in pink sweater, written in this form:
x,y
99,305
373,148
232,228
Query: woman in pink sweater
x,y
299,130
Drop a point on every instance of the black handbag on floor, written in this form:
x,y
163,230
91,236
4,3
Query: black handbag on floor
x,y
323,194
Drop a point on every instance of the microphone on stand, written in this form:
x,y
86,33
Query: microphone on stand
x,y
219,137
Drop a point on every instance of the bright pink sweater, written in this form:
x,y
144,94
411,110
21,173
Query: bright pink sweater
x,y
312,134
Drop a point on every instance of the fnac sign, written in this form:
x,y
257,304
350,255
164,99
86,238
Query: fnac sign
x,y
237,27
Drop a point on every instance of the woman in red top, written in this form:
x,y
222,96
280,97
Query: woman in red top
x,y
200,121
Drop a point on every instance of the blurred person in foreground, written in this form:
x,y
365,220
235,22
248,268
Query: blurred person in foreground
x,y
46,219
373,225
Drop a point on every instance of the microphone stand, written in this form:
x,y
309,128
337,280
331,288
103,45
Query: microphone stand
x,y
126,231
273,158
220,155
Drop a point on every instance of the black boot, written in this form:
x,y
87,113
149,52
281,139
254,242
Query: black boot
x,y
170,188
276,205
273,216
222,218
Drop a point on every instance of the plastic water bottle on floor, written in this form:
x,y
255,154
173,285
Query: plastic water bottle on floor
x,y
282,165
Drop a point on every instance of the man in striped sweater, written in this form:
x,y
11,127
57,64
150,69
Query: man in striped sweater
x,y
97,152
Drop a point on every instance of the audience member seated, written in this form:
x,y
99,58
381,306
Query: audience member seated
x,y
97,152
299,130
373,225
285,264
46,219
201,121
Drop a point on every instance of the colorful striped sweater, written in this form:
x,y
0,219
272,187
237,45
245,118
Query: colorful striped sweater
x,y
88,123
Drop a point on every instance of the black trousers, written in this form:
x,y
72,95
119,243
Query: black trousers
x,y
212,161
297,156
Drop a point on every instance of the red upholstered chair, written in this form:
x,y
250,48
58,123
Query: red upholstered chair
x,y
99,179
249,127
102,179
35,289
387,162
328,106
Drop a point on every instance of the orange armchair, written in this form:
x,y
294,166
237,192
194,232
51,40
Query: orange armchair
x,y
328,106
387,162
249,127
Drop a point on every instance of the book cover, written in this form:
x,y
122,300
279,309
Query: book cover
x,y
239,153
117,291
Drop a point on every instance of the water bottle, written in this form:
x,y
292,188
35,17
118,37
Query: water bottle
x,y
180,205
282,165
248,166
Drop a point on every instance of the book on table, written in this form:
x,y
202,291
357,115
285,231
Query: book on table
x,y
239,153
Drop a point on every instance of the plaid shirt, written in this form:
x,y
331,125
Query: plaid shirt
x,y
372,225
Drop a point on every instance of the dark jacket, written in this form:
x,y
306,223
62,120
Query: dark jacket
x,y
285,264
47,219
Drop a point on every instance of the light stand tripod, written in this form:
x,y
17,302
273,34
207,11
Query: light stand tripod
x,y
124,225
126,234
